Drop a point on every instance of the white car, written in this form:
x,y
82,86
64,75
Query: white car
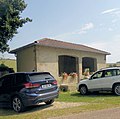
x,y
107,79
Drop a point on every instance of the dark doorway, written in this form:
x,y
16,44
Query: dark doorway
x,y
90,63
67,64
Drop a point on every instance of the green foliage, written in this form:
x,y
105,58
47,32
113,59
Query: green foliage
x,y
3,66
9,63
10,20
5,69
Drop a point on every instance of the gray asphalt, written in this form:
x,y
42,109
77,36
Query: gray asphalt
x,y
100,114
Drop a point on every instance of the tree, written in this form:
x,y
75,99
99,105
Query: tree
x,y
10,21
118,62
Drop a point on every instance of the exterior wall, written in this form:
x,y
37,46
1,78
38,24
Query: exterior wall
x,y
26,60
43,58
47,59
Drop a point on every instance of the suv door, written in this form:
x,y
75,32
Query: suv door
x,y
1,81
103,80
95,81
110,76
6,88
20,79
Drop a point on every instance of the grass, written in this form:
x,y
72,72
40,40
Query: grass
x,y
107,98
94,102
9,62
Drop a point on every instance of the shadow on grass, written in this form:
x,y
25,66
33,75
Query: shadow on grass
x,y
6,111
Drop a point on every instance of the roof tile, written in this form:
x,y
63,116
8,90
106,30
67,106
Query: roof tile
x,y
61,44
67,45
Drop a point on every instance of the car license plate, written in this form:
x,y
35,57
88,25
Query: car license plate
x,y
46,86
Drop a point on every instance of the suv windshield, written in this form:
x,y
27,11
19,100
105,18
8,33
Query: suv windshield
x,y
38,77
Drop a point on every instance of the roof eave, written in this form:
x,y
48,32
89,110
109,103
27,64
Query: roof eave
x,y
37,43
21,48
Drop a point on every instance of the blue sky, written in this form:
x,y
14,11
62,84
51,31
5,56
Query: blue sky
x,y
95,23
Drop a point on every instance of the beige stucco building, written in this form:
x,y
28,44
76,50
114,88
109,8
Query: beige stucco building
x,y
58,57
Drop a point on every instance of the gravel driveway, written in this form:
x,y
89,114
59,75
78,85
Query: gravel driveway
x,y
100,114
60,105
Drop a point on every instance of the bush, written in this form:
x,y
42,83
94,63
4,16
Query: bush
x,y
5,70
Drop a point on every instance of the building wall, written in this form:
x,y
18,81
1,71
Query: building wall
x,y
43,58
26,60
47,59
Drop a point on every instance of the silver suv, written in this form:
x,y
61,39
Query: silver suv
x,y
107,79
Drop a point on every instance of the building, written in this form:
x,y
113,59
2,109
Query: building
x,y
58,57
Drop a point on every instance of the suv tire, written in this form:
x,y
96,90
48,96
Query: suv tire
x,y
17,104
83,90
117,89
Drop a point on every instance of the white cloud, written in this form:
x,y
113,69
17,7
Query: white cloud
x,y
115,20
86,27
83,30
111,46
112,18
115,13
109,11
110,29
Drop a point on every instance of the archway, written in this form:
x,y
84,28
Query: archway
x,y
88,62
67,64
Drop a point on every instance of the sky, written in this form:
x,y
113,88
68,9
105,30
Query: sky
x,y
94,23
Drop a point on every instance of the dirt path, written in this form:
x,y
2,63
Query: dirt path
x,y
60,105
100,114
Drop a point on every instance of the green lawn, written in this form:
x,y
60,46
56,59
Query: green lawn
x,y
11,63
94,102
106,98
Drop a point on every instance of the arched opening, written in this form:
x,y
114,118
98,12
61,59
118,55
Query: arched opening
x,y
90,63
67,64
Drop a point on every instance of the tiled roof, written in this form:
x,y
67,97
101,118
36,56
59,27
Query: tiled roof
x,y
64,45
67,45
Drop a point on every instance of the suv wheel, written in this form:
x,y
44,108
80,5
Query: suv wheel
x,y
17,104
83,90
117,89
49,102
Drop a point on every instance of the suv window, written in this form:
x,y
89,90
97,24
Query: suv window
x,y
97,75
108,73
38,77
118,72
20,78
8,81
112,72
